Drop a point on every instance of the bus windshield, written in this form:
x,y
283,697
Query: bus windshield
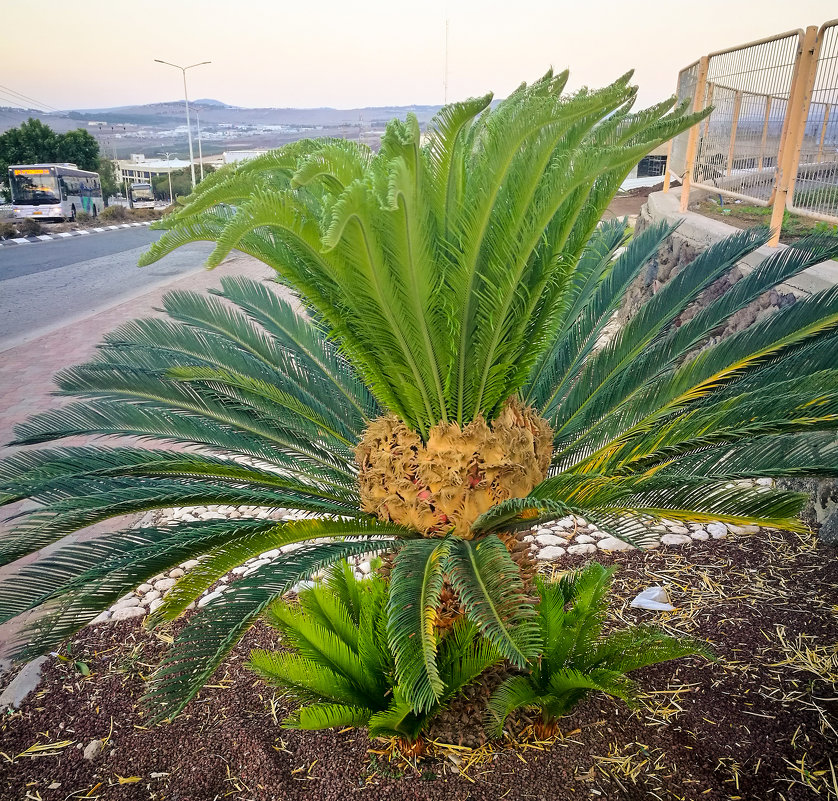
x,y
34,189
139,192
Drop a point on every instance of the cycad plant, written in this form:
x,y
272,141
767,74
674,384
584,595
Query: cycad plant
x,y
577,658
445,387
340,667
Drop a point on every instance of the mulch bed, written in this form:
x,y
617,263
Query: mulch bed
x,y
758,724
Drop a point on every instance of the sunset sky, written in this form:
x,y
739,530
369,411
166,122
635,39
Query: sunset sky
x,y
100,53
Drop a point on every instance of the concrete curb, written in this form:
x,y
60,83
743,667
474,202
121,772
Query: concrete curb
x,y
31,240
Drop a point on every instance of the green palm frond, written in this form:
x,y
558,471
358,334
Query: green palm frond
x,y
417,581
490,588
438,266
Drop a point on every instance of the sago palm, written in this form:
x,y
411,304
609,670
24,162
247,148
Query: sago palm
x,y
577,658
340,668
446,387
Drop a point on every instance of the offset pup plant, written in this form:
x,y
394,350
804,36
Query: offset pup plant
x,y
443,392
341,669
577,658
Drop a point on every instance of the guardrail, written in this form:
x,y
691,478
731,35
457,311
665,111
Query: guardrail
x,y
772,137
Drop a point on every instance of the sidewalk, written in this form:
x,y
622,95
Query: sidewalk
x,y
27,370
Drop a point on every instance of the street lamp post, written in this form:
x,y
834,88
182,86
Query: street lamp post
x,y
169,165
186,100
200,150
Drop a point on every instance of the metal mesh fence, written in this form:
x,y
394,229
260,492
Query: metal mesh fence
x,y
816,182
687,79
740,141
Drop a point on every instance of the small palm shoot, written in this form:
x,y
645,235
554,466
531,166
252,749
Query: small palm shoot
x,y
578,658
341,669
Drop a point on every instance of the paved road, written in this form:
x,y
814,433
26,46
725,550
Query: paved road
x,y
46,285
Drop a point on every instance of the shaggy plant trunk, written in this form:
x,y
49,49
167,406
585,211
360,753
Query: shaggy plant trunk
x,y
443,485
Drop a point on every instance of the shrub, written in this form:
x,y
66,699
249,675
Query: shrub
x,y
7,230
82,216
114,214
29,227
577,658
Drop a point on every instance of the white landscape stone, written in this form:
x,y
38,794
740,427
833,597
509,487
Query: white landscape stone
x,y
613,544
272,554
549,539
102,617
127,612
144,588
676,529
164,584
188,565
365,568
149,597
125,603
237,571
583,539
155,604
675,539
717,530
549,553
208,598
701,534
582,549
176,573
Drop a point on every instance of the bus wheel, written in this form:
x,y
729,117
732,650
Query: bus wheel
x,y
72,213
94,212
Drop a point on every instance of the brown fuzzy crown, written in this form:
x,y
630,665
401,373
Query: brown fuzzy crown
x,y
460,473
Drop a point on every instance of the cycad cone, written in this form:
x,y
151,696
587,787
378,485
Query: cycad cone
x,y
444,485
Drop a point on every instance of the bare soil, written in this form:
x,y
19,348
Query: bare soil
x,y
758,724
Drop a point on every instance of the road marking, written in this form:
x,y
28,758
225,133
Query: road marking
x,y
65,234
125,225
97,229
21,240
112,227
86,233
44,237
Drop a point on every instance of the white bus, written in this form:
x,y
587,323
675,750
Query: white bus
x,y
54,191
141,196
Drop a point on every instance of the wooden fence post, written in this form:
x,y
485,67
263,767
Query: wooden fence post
x,y
692,141
797,110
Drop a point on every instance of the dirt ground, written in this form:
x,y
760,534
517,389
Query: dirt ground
x,y
758,724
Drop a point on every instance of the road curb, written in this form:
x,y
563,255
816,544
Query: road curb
x,y
31,240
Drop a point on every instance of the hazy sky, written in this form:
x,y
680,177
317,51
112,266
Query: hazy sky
x,y
304,53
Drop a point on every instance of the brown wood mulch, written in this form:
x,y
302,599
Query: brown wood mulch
x,y
758,724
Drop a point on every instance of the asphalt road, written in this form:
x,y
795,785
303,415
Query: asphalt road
x,y
45,285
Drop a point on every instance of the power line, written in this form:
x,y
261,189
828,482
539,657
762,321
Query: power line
x,y
44,106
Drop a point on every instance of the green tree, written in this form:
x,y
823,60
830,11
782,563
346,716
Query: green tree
x,y
446,389
181,182
107,176
80,148
30,143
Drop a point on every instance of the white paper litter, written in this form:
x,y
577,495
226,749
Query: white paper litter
x,y
656,598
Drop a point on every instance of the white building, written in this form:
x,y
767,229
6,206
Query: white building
x,y
140,169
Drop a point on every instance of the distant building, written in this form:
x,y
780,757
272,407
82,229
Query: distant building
x,y
139,168
233,156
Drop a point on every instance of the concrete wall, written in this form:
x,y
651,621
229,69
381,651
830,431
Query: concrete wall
x,y
695,234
